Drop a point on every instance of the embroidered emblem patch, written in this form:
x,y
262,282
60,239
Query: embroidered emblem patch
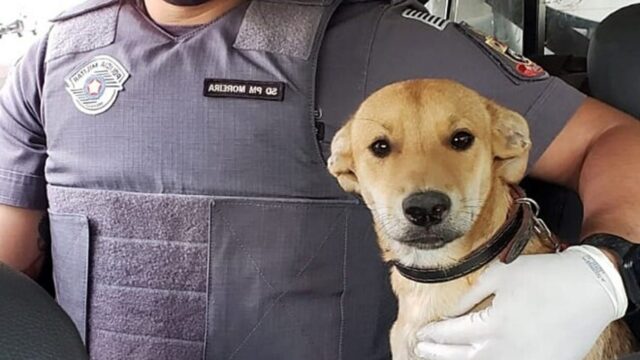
x,y
94,86
523,65
517,66
425,17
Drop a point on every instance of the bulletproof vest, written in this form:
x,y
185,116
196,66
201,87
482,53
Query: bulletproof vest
x,y
191,212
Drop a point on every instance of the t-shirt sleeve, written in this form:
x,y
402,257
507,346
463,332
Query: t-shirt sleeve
x,y
22,138
412,44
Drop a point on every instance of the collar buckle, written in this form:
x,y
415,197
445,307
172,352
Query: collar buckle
x,y
540,228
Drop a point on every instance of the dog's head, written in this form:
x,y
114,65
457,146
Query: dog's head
x,y
425,156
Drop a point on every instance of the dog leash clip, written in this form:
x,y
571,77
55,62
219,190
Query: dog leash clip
x,y
540,228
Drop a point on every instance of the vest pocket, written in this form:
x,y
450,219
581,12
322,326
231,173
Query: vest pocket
x,y
70,251
276,279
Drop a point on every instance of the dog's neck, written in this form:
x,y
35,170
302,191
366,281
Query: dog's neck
x,y
490,219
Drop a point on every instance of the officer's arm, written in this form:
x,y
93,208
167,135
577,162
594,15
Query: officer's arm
x,y
22,157
19,239
598,154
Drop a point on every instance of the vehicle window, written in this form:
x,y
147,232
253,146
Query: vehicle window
x,y
569,24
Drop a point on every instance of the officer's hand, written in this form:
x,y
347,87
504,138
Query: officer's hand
x,y
548,306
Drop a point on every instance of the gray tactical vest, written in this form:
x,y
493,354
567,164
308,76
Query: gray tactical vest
x,y
201,223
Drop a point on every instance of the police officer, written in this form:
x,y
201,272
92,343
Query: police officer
x,y
179,147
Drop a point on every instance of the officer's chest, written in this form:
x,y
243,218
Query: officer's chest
x,y
199,114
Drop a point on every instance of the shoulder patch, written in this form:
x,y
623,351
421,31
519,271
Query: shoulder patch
x,y
86,30
94,86
424,17
516,65
83,8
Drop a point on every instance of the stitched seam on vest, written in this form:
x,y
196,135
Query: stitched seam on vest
x,y
244,250
312,90
207,303
260,272
266,313
6,198
124,334
86,234
292,201
288,206
154,241
374,34
153,290
344,283
544,95
43,70
18,173
26,181
255,264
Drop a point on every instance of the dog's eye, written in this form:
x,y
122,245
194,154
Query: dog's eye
x,y
461,140
380,148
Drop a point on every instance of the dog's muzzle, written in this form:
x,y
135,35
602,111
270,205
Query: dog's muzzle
x,y
507,243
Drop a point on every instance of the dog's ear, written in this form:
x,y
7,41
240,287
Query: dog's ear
x,y
510,142
340,162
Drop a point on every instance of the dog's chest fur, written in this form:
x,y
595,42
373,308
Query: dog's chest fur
x,y
418,305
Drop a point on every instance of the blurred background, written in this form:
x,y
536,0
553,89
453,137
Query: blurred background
x,y
21,22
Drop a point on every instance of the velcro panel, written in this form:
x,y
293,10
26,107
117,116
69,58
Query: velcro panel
x,y
285,29
142,312
177,218
141,347
148,271
151,263
89,31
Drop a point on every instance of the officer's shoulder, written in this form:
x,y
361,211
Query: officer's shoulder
x,y
412,27
413,21
434,45
86,7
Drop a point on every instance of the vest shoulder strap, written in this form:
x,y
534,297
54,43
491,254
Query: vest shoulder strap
x,y
88,26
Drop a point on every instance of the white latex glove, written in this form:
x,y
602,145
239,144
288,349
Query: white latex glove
x,y
546,306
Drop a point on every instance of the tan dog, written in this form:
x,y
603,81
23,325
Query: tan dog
x,y
439,143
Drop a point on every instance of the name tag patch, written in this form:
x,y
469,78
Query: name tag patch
x,y
244,89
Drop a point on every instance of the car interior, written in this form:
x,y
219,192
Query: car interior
x,y
600,57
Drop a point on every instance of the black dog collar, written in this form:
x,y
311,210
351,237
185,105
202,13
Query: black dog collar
x,y
507,243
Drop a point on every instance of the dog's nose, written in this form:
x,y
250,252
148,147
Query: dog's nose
x,y
426,208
